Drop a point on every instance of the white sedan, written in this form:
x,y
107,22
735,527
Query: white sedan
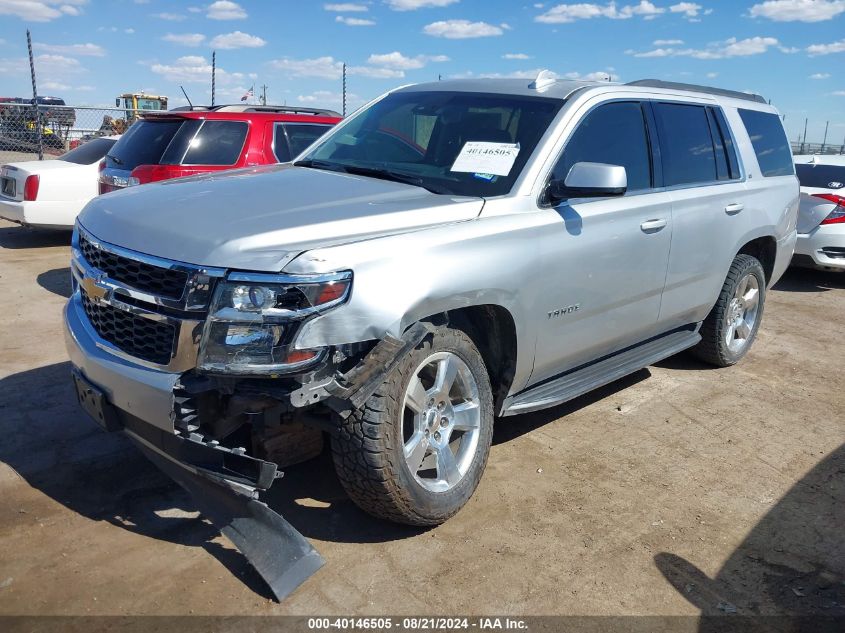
x,y
51,193
821,216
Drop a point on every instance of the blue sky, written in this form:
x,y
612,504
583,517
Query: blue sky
x,y
88,51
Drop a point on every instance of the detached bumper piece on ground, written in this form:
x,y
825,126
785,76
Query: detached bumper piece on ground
x,y
225,485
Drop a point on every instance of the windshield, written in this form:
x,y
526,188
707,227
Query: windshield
x,y
459,143
89,152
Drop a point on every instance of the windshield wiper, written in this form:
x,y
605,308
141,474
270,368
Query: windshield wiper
x,y
319,164
395,176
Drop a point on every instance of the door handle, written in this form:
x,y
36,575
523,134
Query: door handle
x,y
652,226
733,209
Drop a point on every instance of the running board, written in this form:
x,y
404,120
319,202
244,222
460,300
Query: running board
x,y
579,381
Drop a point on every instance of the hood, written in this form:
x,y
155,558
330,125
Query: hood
x,y
262,218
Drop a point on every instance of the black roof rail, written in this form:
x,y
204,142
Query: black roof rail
x,y
274,108
672,85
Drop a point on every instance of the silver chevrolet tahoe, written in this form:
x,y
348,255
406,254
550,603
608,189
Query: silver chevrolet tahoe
x,y
452,254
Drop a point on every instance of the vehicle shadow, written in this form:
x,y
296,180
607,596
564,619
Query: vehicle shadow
x,y
792,563
57,450
56,281
809,280
15,237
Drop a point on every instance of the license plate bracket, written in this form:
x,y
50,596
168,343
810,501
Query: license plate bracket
x,y
93,402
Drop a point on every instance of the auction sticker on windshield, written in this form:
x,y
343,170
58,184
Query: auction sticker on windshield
x,y
481,157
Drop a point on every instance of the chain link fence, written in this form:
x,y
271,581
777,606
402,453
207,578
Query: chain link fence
x,y
42,131
817,148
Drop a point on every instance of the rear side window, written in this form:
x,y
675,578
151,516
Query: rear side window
x,y
89,152
688,152
217,143
821,176
143,144
291,139
769,141
614,134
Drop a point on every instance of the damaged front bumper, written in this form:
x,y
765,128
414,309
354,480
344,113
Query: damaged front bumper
x,y
150,406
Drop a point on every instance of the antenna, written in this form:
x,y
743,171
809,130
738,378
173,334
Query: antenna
x,y
187,97
544,79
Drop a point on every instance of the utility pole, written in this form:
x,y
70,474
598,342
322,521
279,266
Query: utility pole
x,y
264,94
805,132
38,130
344,90
213,74
824,142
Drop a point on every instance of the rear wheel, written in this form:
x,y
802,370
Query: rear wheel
x,y
731,327
415,452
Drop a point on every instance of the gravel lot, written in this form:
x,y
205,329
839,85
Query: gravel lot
x,y
679,490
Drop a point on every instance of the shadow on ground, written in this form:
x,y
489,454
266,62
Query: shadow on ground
x,y
56,281
14,237
791,563
809,280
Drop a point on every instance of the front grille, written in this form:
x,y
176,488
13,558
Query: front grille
x,y
148,340
139,275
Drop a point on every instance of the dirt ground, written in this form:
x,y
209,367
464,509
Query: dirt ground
x,y
679,490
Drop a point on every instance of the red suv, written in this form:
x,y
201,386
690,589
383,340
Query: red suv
x,y
196,140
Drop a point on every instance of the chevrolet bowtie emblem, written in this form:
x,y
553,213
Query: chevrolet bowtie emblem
x,y
94,288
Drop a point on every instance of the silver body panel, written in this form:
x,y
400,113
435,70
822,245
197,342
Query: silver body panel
x,y
635,266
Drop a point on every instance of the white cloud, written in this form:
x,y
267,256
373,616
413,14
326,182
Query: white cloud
x,y
85,50
346,7
170,17
826,49
413,5
461,29
343,19
838,93
798,10
532,74
225,10
668,42
690,10
712,75
399,61
237,39
565,13
194,69
185,39
41,10
516,56
329,68
54,85
820,76
716,50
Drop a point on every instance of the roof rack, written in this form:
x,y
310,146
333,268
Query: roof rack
x,y
253,108
672,85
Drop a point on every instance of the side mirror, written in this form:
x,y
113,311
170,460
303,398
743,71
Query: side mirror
x,y
589,180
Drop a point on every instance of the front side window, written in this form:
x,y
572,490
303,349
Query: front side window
x,y
457,143
291,139
769,141
614,134
217,143
686,144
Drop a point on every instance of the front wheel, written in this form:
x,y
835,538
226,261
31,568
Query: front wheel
x,y
415,452
729,330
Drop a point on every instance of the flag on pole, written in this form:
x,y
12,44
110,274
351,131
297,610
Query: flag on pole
x,y
249,94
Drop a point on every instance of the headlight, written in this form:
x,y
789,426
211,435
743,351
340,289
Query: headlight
x,y
254,319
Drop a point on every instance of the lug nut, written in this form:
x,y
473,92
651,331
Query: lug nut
x,y
440,405
431,402
444,421
427,432
437,436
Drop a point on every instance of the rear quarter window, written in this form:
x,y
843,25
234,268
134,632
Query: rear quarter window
x,y
769,141
217,143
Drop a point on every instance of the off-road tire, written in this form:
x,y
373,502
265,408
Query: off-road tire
x,y
367,450
713,347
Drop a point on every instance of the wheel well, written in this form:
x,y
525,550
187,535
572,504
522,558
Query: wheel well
x,y
764,249
493,331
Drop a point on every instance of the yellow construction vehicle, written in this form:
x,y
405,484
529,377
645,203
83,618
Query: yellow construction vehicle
x,y
133,102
